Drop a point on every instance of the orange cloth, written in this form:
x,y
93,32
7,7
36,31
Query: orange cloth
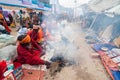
x,y
1,16
26,39
110,62
40,35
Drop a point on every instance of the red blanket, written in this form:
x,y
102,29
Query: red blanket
x,y
3,68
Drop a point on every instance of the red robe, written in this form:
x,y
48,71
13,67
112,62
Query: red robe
x,y
3,68
29,56
36,37
6,26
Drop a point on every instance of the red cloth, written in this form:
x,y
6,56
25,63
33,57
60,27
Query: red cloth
x,y
16,65
29,56
33,35
35,44
6,26
36,36
3,68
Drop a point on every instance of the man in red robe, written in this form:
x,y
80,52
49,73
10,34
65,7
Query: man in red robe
x,y
36,34
28,53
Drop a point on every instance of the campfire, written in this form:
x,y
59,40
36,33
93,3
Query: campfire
x,y
57,64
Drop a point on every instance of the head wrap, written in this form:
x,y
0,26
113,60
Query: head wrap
x,y
25,40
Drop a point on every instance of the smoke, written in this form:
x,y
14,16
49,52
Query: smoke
x,y
62,46
72,3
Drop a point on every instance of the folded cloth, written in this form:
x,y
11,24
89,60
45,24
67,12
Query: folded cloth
x,y
97,47
109,62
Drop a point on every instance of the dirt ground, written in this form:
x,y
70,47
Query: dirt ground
x,y
89,68
14,32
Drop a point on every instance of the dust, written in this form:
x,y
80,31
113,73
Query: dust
x,y
73,73
83,74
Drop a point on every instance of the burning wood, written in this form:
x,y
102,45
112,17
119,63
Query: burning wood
x,y
57,64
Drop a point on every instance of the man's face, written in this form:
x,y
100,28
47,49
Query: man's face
x,y
35,28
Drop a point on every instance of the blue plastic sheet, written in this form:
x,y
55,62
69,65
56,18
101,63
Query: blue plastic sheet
x,y
97,47
116,74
